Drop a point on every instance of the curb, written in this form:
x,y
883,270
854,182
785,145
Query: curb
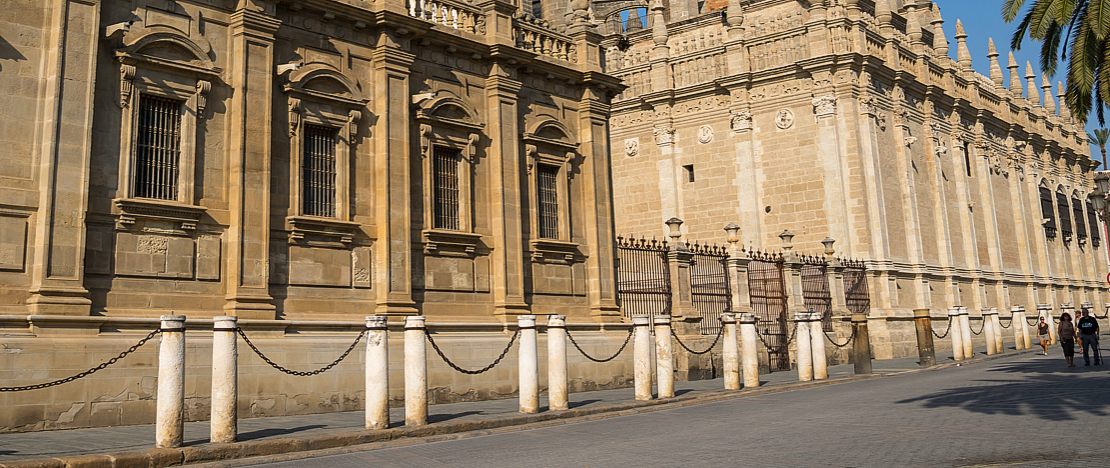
x,y
291,448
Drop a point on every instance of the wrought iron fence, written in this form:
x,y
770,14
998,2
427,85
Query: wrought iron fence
x,y
709,285
815,288
855,287
643,279
767,291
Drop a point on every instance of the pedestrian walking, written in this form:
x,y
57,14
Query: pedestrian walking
x,y
1088,336
1042,331
1066,332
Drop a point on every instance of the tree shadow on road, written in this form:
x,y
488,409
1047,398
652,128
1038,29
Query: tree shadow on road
x,y
1044,392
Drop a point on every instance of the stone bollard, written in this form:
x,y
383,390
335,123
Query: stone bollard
x,y
557,363
988,332
749,350
861,349
377,372
955,330
416,373
641,360
805,353
664,357
923,323
224,426
170,432
529,365
965,329
1017,323
999,345
730,353
817,346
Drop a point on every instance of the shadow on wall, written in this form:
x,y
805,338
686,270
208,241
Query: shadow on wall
x,y
8,52
1048,391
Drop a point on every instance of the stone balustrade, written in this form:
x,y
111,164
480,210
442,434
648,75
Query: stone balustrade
x,y
453,15
532,35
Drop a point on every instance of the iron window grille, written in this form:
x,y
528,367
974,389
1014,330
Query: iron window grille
x,y
157,148
1092,221
1065,215
1077,215
318,171
548,201
445,188
1048,213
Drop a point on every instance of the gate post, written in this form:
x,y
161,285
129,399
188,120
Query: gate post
x,y
730,353
817,340
956,330
839,307
792,269
965,329
685,319
749,350
861,349
641,357
988,332
924,324
805,354
664,357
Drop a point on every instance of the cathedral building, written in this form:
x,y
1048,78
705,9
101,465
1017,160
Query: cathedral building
x,y
847,119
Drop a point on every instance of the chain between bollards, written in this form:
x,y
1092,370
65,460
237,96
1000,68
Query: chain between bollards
x,y
946,330
467,371
1033,323
85,373
610,358
1006,327
981,328
838,345
720,332
793,331
300,373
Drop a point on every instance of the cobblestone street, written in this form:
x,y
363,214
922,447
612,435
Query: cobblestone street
x,y
1026,409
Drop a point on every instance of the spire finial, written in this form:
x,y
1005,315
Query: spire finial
x,y
996,71
1015,80
940,42
883,12
1049,103
963,57
735,14
1033,95
658,25
1065,112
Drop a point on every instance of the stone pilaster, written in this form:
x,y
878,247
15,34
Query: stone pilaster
x,y
600,223
249,153
502,90
834,174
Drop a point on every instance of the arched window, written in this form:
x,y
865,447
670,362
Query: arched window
x,y
1092,221
1048,213
1065,215
1077,215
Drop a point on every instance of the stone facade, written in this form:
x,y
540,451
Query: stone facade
x,y
847,119
288,162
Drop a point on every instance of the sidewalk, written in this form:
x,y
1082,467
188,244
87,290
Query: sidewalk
x,y
275,435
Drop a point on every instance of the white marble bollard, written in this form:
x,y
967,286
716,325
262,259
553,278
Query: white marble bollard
x,y
529,364
955,330
664,357
224,424
730,352
817,340
999,345
377,372
749,350
170,431
557,363
1021,328
988,333
805,353
641,361
416,372
965,329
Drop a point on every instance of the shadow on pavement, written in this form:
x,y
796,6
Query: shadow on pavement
x,y
575,404
1049,391
275,431
434,418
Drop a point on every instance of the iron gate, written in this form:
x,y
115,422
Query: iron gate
x,y
815,288
767,291
643,278
709,285
855,287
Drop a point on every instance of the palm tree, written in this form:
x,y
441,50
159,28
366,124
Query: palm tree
x,y
1100,136
1082,25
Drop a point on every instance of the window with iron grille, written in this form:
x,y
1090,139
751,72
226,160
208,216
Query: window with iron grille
x,y
1092,220
445,188
1077,215
1065,214
547,187
157,148
1048,213
318,171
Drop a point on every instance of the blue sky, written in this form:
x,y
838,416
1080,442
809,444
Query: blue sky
x,y
982,19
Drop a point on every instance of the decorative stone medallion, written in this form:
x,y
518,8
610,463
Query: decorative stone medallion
x,y
631,147
784,119
705,134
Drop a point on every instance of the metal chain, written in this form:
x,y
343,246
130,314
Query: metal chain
x,y
1034,322
610,358
467,371
85,373
785,345
981,328
299,373
720,332
1008,326
850,338
946,330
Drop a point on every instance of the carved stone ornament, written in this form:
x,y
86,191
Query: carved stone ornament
x,y
294,116
909,141
631,147
352,124
203,88
705,134
784,119
126,75
741,121
425,139
664,135
530,154
824,105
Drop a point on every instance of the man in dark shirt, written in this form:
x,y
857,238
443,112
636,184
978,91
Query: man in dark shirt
x,y
1088,335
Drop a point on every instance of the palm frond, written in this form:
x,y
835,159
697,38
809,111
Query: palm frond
x,y
1011,8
